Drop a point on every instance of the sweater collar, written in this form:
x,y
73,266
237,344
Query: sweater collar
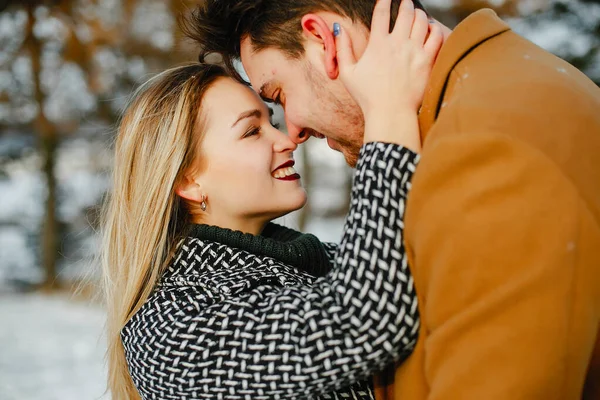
x,y
300,250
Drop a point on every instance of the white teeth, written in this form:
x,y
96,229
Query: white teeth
x,y
283,172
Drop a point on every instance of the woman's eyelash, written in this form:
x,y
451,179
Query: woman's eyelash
x,y
252,131
255,130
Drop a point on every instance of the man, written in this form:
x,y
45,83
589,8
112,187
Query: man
x,y
503,220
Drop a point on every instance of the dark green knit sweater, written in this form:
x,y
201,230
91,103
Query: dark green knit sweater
x,y
301,250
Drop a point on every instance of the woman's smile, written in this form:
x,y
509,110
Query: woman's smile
x,y
286,172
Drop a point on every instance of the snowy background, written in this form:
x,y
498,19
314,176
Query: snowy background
x,y
65,72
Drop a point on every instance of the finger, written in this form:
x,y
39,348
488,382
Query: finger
x,y
343,48
404,21
380,23
434,42
420,27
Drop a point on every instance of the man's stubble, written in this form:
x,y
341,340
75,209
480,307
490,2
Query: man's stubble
x,y
341,119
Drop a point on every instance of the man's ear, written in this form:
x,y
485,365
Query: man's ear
x,y
316,29
189,189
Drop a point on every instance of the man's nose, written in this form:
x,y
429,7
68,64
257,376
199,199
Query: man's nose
x,y
296,133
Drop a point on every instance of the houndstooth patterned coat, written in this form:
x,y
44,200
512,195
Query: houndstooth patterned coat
x,y
224,323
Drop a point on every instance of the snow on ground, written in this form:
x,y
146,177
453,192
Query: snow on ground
x,y
51,348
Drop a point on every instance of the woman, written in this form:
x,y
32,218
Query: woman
x,y
207,298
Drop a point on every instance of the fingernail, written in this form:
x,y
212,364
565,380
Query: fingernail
x,y
336,29
432,21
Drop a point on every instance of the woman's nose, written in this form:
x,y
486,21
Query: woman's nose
x,y
283,142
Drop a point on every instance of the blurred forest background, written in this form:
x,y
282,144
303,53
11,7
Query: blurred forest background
x,y
66,71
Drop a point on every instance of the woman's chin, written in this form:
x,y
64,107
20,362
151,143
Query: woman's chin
x,y
301,201
293,206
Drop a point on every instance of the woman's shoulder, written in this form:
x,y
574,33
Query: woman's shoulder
x,y
213,265
203,273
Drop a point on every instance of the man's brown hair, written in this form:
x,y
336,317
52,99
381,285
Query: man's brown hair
x,y
220,25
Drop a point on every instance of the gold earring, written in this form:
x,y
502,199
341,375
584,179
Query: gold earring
x,y
203,203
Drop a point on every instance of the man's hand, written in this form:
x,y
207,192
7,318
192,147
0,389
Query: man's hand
x,y
389,80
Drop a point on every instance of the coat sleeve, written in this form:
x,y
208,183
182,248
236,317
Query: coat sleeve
x,y
301,341
331,249
493,237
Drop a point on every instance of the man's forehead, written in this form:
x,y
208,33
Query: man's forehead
x,y
263,81
261,65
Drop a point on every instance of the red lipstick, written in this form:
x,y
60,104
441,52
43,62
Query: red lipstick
x,y
288,163
290,178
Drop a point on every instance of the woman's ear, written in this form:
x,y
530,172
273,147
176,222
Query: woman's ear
x,y
189,189
317,30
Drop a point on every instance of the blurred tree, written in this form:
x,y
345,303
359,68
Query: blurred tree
x,y
567,28
74,62
48,137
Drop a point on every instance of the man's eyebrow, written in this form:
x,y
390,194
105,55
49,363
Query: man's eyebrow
x,y
247,114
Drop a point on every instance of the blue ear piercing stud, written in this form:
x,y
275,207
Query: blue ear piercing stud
x,y
336,29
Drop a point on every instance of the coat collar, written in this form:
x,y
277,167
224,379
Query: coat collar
x,y
470,33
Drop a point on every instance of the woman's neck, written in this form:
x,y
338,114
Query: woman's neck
x,y
253,226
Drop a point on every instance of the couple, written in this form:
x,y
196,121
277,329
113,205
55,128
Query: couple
x,y
477,278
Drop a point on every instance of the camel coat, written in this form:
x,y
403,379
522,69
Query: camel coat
x,y
502,225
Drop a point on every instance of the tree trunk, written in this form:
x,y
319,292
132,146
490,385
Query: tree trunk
x,y
347,187
49,237
48,140
304,212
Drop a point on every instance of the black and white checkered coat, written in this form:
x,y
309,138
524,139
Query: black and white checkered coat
x,y
227,324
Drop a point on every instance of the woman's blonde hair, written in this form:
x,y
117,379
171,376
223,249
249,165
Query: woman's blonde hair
x,y
143,219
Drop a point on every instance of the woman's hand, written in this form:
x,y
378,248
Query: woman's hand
x,y
389,80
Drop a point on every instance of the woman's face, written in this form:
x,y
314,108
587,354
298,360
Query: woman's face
x,y
246,172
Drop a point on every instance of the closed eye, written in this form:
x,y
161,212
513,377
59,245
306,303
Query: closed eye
x,y
275,100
